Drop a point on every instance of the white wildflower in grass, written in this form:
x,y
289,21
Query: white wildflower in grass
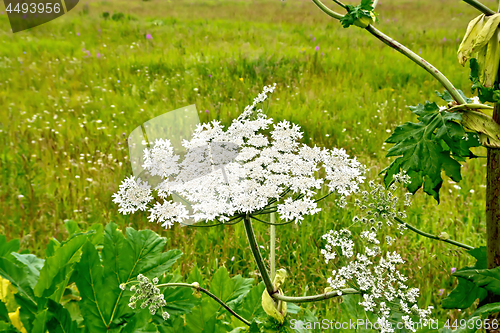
x,y
375,274
133,194
251,168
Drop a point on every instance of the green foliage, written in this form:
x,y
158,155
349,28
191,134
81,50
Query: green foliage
x,y
77,287
467,291
359,12
485,94
437,142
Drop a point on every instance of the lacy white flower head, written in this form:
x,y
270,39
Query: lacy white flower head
x,y
375,274
253,167
150,295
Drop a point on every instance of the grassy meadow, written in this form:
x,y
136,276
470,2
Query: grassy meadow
x,y
72,90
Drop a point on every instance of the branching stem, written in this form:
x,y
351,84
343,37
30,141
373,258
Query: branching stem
x,y
203,290
425,234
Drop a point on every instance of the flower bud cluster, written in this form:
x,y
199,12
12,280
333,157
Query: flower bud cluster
x,y
150,295
381,205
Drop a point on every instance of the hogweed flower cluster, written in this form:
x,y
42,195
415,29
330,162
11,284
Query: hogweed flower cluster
x,y
242,170
376,276
371,270
150,295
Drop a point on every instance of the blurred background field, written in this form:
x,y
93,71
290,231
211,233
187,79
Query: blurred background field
x,y
73,89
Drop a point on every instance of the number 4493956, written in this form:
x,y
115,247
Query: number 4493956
x,y
472,324
33,8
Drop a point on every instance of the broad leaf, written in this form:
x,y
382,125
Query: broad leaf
x,y
488,279
57,270
426,148
251,305
33,266
464,294
103,303
61,321
7,247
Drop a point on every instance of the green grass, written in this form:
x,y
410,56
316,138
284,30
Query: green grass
x,y
66,164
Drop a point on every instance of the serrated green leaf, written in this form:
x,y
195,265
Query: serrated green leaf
x,y
464,294
103,303
61,321
488,279
40,322
72,227
487,309
251,305
56,272
229,290
480,254
428,147
18,276
7,247
51,248
33,265
96,304
196,276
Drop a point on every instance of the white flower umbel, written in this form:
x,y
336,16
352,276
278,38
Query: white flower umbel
x,y
253,167
134,194
375,275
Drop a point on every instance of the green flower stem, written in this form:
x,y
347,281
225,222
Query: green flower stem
x,y
327,10
269,223
420,232
375,3
419,61
272,255
267,280
479,6
203,290
405,51
314,298
257,256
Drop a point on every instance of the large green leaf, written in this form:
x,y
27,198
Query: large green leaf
x,y
61,321
7,247
7,328
33,266
103,303
488,279
229,290
18,276
4,313
57,270
40,322
251,305
464,294
426,148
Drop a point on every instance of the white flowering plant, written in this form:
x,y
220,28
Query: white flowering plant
x,y
256,167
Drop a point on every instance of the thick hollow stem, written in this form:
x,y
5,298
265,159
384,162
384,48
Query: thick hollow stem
x,y
479,6
493,201
425,234
314,298
406,51
419,61
254,247
203,290
272,255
